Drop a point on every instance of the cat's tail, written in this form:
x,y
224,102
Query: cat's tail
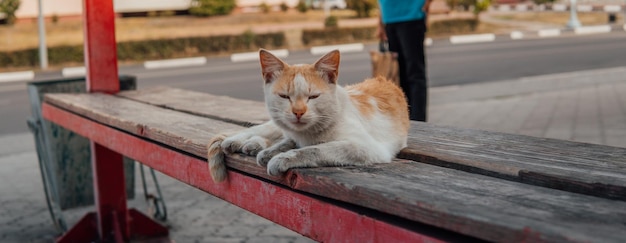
x,y
215,157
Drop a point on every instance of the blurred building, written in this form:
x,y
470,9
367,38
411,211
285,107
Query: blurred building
x,y
73,8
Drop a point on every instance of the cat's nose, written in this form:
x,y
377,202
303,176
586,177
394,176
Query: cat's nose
x,y
298,110
298,114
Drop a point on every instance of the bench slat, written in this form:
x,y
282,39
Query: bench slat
x,y
241,112
578,167
583,168
481,206
477,205
180,130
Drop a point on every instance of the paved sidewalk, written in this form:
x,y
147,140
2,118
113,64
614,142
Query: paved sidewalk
x,y
586,106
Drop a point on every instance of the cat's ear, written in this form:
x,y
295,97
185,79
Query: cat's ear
x,y
271,66
328,66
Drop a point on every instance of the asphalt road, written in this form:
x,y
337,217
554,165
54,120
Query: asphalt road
x,y
447,65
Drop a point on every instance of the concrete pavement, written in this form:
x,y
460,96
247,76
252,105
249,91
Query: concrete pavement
x,y
585,106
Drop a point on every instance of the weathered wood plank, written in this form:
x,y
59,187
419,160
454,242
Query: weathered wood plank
x,y
180,130
481,206
241,112
476,205
578,167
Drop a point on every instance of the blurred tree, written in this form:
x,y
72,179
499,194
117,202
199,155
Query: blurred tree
x,y
302,7
481,6
264,7
206,8
362,7
331,22
9,7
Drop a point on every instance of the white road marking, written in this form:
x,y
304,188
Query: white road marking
x,y
74,71
461,39
253,56
179,62
516,35
585,30
319,50
549,33
16,76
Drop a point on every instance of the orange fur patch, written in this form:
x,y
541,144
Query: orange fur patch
x,y
389,99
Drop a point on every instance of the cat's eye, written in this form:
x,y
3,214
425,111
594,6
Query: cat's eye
x,y
284,96
313,97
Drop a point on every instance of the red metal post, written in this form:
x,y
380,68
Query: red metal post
x,y
100,47
107,165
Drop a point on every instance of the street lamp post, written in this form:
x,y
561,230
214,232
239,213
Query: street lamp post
x,y
573,17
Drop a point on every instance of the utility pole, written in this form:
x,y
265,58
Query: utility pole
x,y
573,18
43,51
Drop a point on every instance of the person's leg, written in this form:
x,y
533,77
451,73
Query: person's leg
x,y
408,39
394,46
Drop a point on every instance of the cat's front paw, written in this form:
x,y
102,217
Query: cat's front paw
x,y
266,155
282,162
231,145
263,157
249,146
254,145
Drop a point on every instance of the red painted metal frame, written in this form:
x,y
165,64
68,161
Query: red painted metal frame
x,y
100,46
311,217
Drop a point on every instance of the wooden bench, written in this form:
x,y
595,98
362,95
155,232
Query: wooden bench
x,y
452,184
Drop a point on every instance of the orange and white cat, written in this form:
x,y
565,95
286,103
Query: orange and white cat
x,y
316,122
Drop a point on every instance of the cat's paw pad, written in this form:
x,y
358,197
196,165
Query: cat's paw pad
x,y
281,163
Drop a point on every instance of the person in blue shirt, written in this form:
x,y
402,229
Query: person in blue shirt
x,y
403,25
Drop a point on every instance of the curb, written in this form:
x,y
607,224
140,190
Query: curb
x,y
178,62
585,30
74,71
549,33
17,76
462,39
557,7
545,33
355,47
253,56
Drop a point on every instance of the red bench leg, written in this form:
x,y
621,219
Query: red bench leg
x,y
110,192
112,221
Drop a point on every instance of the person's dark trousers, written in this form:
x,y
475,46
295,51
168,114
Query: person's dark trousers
x,y
407,39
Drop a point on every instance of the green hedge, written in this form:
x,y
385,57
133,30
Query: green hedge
x,y
367,34
338,35
453,26
24,58
151,49
248,41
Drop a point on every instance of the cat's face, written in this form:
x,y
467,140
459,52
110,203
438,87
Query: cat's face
x,y
301,97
